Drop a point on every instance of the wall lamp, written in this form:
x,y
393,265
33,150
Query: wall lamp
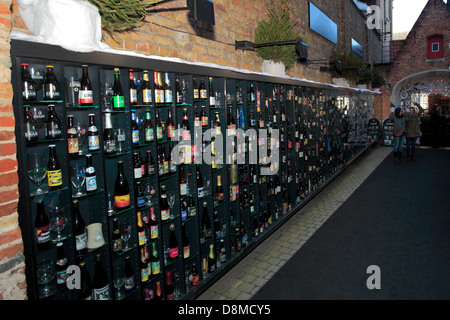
x,y
300,47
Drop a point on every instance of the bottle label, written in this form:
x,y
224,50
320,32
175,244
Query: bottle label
x,y
117,245
43,234
144,274
101,293
195,280
73,145
85,97
165,214
61,275
133,95
80,241
135,136
173,253
53,131
147,96
168,96
54,178
183,214
186,252
91,183
94,142
154,232
119,102
110,146
155,267
159,133
201,192
122,201
31,133
159,95
129,283
183,189
149,135
137,173
141,236
141,201
51,92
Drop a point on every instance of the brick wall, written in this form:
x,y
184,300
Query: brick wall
x,y
171,33
411,57
12,267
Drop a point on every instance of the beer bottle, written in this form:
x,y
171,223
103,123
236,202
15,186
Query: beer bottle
x,y
51,86
118,96
170,125
134,129
54,172
79,229
31,131
202,90
146,89
154,231
121,189
101,284
28,85
164,205
61,266
132,88
72,136
52,124
85,97
93,136
42,227
149,132
116,237
91,177
185,243
85,293
109,139
173,243
168,92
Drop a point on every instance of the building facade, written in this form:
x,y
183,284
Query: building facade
x,y
169,31
420,67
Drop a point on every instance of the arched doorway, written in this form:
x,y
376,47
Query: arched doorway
x,y
427,88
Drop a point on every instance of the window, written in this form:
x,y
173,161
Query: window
x,y
436,47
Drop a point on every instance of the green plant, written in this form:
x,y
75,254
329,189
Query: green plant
x,y
278,27
349,60
121,15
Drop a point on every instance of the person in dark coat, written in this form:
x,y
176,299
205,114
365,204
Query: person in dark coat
x,y
412,131
435,122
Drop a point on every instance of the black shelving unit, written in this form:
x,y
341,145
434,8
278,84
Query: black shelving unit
x,y
310,153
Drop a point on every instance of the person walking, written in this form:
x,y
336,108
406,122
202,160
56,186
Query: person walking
x,y
412,130
399,132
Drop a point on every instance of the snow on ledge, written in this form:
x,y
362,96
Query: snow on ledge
x,y
15,35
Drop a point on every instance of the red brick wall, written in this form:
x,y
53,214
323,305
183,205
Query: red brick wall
x,y
411,57
12,267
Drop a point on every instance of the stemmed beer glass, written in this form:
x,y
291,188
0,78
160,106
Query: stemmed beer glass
x,y
37,170
78,177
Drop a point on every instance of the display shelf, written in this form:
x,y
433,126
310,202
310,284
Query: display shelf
x,y
255,203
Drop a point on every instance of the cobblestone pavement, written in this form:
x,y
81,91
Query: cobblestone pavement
x,y
250,274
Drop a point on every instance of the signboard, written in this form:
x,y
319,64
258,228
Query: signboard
x,y
320,23
373,130
388,132
357,49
